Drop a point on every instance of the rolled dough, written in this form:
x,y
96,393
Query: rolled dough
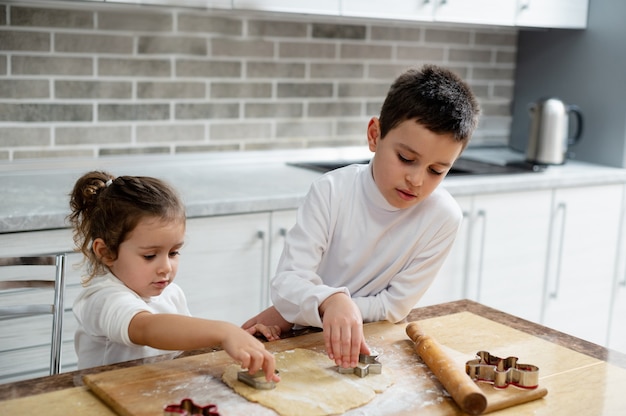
x,y
310,385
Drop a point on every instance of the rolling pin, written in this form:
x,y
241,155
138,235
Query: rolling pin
x,y
461,387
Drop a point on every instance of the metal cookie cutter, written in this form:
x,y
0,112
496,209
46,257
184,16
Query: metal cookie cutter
x,y
502,371
256,380
188,408
367,364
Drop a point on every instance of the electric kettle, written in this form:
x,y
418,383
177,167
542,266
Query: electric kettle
x,y
549,131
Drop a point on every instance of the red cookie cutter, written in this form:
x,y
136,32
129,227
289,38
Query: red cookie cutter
x,y
188,408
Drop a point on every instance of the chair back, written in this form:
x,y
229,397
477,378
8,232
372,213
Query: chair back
x,y
21,275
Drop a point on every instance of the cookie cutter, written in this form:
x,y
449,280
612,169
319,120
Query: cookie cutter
x,y
502,371
368,364
188,408
256,380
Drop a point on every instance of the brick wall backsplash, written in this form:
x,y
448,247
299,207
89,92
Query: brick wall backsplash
x,y
87,79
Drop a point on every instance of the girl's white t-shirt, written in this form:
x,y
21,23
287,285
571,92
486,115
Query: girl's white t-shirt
x,y
104,310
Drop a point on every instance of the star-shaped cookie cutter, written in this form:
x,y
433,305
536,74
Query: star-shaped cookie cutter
x,y
502,371
368,364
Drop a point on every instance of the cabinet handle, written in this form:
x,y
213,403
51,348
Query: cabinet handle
x,y
480,215
265,284
465,281
524,5
282,232
562,207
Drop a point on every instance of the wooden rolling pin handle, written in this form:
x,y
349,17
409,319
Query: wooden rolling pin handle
x,y
463,390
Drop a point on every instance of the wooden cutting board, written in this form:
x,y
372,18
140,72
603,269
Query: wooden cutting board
x,y
144,390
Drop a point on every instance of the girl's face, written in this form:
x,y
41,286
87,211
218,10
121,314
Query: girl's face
x,y
410,161
147,260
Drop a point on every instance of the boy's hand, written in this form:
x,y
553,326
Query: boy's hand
x,y
272,324
343,330
271,333
250,352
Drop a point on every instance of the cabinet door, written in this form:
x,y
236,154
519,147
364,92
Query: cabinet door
x,y
223,266
507,251
330,7
391,9
616,338
450,283
281,222
617,324
552,13
222,4
584,239
491,12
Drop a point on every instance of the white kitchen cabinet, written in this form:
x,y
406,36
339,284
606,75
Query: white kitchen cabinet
x,y
223,266
616,337
499,256
581,265
487,12
419,10
507,247
490,12
450,283
281,222
566,14
327,7
210,4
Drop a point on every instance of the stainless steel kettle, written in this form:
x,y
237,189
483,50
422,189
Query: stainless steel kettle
x,y
549,131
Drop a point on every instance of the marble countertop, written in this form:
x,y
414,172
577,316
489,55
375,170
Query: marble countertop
x,y
35,194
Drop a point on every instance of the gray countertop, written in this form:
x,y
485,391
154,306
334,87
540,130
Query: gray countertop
x,y
35,195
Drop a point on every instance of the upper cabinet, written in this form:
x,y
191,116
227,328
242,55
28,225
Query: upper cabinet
x,y
494,12
390,9
528,13
211,4
486,12
566,14
330,7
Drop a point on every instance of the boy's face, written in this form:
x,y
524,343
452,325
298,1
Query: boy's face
x,y
410,161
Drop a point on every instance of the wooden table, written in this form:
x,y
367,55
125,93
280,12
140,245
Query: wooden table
x,y
598,391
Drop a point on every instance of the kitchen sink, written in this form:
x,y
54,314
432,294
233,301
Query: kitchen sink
x,y
463,166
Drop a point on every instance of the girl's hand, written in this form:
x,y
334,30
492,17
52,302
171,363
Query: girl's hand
x,y
343,330
250,352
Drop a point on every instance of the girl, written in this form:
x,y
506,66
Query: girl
x,y
130,230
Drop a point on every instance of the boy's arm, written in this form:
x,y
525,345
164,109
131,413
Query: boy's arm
x,y
268,318
297,289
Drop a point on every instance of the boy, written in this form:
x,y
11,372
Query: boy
x,y
370,239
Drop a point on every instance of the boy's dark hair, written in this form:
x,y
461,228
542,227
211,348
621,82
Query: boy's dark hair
x,y
436,98
109,208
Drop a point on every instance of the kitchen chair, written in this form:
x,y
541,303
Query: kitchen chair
x,y
24,277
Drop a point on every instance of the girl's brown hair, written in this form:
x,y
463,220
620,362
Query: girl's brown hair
x,y
109,208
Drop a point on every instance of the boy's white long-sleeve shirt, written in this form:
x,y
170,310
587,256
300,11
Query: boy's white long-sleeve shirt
x,y
349,239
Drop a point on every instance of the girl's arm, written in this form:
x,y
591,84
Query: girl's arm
x,y
179,332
